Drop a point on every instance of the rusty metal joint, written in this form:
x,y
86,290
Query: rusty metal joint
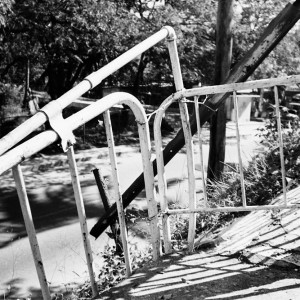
x,y
181,96
149,219
141,123
165,213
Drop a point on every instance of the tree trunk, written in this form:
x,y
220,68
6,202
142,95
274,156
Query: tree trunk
x,y
139,74
27,84
272,35
222,68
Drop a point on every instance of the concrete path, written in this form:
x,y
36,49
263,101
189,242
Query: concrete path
x,y
207,276
53,206
257,257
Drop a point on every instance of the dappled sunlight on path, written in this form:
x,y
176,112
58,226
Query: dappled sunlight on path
x,y
205,276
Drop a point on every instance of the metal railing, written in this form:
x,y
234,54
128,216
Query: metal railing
x,y
181,96
13,158
63,129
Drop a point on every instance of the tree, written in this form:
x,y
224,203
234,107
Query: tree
x,y
222,68
65,40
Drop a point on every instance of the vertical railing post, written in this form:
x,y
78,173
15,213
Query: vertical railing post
x,y
278,119
25,207
82,217
187,136
196,100
144,135
236,110
162,184
117,192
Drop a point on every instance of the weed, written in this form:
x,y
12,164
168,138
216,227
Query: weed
x,y
113,269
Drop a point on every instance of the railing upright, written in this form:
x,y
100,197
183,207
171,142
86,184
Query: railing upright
x,y
280,140
162,183
144,135
35,249
196,100
187,136
117,197
82,218
236,111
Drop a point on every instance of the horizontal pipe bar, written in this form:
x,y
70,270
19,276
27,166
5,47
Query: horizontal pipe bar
x,y
230,209
230,87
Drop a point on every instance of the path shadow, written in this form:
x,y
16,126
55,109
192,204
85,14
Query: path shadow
x,y
205,276
12,291
51,207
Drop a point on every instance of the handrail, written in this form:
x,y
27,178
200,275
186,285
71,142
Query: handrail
x,y
46,138
55,107
13,157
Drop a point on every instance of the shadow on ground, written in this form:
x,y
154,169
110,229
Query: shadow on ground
x,y
69,291
207,276
51,207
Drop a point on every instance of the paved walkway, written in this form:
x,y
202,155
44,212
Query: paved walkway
x,y
208,276
257,257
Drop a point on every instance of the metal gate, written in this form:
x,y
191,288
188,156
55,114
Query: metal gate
x,y
181,97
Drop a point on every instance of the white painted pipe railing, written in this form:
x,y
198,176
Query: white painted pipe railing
x,y
15,156
196,100
82,218
117,197
236,111
187,137
25,207
205,207
63,129
280,143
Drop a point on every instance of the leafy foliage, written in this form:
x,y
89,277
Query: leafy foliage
x,y
252,17
66,40
10,101
5,7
